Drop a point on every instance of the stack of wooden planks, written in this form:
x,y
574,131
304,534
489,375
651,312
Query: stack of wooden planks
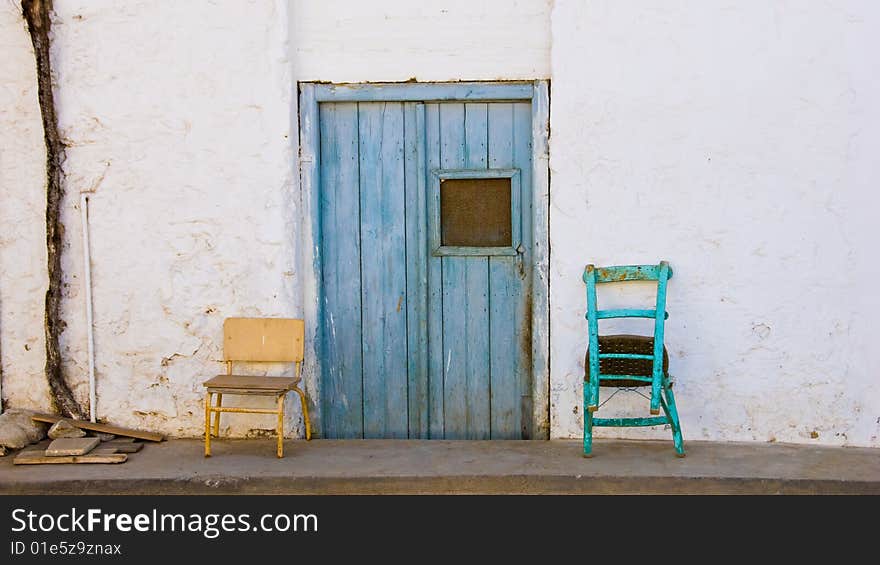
x,y
86,449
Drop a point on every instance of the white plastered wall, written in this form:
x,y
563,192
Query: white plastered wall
x,y
178,116
23,274
740,142
399,40
181,117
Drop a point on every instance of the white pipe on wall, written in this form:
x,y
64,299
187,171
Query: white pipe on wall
x,y
87,267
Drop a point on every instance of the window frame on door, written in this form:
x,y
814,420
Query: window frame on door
x,y
435,220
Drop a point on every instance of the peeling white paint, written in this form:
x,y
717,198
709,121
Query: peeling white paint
x,y
23,274
179,116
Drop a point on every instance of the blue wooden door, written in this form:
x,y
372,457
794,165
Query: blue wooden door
x,y
425,212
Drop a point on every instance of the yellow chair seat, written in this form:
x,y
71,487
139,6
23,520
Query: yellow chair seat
x,y
256,384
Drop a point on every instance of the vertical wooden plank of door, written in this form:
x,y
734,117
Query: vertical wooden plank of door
x,y
436,398
465,313
383,269
341,371
505,321
416,268
465,292
476,154
476,136
454,300
522,159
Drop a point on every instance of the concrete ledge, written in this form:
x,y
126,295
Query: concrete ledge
x,y
477,467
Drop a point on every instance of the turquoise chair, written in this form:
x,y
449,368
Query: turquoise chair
x,y
628,361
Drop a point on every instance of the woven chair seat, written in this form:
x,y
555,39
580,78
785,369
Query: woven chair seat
x,y
625,343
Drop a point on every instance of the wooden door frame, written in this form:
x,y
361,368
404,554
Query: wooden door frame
x,y
538,94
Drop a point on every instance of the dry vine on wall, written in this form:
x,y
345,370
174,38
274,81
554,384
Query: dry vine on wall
x,y
36,13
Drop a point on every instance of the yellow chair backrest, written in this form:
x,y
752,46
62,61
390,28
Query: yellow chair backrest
x,y
263,339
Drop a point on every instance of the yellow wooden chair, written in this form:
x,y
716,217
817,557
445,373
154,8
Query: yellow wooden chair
x,y
257,340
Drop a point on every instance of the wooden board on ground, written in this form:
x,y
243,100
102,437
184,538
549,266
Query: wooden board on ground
x,y
71,446
104,428
39,457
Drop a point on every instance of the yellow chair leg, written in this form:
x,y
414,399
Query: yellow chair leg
x,y
208,424
214,425
305,409
281,426
217,415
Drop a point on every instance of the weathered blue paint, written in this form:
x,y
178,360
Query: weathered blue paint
x,y
383,269
475,173
485,320
592,401
630,422
609,378
530,265
624,356
627,313
436,384
506,295
461,251
477,305
661,390
417,271
588,424
668,404
663,275
505,337
424,92
466,347
465,295
341,369
476,136
627,273
478,376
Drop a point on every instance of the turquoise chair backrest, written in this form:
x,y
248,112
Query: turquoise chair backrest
x,y
593,276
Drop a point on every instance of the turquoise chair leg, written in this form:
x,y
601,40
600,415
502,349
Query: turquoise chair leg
x,y
672,413
655,398
588,425
591,396
594,395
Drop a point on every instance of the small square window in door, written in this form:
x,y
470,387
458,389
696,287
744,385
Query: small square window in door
x,y
475,212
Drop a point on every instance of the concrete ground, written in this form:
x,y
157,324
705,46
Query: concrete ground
x,y
439,467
